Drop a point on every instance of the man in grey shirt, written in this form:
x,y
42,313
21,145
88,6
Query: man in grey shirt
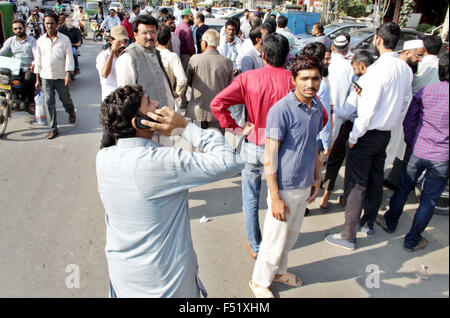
x,y
317,31
22,46
144,189
251,59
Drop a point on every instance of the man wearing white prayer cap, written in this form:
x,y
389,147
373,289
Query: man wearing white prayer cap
x,y
413,52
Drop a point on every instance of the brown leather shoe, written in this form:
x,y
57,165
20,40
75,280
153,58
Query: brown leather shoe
x,y
254,256
72,117
52,135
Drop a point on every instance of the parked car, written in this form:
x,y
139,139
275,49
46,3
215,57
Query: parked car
x,y
237,14
115,6
215,24
362,39
330,30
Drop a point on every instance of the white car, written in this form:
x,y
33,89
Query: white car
x,y
115,6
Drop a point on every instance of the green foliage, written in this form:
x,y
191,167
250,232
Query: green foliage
x,y
425,28
352,8
405,12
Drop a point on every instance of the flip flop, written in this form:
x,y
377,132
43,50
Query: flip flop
x,y
290,280
260,292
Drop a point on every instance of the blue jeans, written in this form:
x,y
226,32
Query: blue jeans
x,y
436,176
253,156
75,57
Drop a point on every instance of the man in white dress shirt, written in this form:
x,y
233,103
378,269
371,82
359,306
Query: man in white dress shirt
x,y
171,61
412,54
340,75
106,67
111,20
386,92
54,64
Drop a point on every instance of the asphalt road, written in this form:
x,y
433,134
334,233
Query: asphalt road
x,y
53,232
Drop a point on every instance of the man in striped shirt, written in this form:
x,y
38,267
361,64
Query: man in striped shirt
x,y
426,132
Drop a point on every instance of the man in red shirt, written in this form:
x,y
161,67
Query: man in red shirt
x,y
259,90
127,25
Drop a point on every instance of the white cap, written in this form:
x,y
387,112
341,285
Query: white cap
x,y
412,44
340,41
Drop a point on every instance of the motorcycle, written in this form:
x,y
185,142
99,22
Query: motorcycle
x,y
35,29
12,95
106,38
97,32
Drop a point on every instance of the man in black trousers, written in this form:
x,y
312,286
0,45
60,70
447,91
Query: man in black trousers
x,y
386,92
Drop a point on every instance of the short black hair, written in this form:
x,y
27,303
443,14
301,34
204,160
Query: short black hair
x,y
168,17
433,44
18,21
319,26
305,62
51,14
232,22
201,17
282,21
246,10
269,27
363,56
316,49
208,9
273,23
255,33
118,109
390,33
164,10
136,6
276,49
146,19
164,34
443,67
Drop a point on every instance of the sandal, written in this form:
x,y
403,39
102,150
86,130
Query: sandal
x,y
260,292
290,280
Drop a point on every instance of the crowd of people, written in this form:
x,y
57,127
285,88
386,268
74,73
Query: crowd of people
x,y
172,76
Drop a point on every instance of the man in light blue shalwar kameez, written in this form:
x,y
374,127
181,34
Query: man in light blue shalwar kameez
x,y
144,189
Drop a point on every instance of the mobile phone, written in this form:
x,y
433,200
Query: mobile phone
x,y
140,117
356,84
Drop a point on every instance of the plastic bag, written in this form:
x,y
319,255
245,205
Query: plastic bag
x,y
40,113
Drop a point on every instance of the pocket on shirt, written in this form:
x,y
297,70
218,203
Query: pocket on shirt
x,y
59,53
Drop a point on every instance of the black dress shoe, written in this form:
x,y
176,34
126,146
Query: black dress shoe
x,y
307,212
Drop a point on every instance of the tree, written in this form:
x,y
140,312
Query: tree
x,y
405,12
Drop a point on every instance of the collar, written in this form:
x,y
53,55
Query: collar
x,y
148,51
293,99
337,55
256,51
46,34
211,52
134,142
389,54
235,41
